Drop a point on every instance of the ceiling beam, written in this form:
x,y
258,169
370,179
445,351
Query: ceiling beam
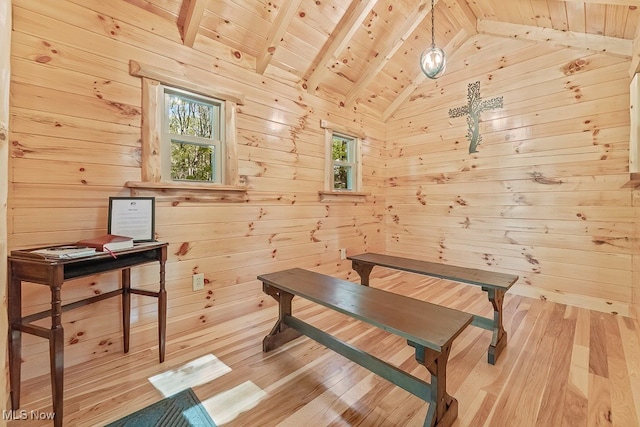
x,y
396,40
337,42
191,20
276,33
454,44
591,42
463,15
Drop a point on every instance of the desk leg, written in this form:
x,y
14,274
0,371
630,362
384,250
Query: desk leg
x,y
56,354
126,307
499,339
363,270
14,294
162,311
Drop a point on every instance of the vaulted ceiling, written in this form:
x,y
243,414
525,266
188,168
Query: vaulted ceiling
x,y
366,52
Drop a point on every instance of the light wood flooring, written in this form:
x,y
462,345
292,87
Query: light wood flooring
x,y
563,366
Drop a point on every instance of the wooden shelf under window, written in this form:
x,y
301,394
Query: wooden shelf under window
x,y
634,180
343,196
188,191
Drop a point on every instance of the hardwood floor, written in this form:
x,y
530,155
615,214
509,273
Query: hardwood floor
x,y
563,366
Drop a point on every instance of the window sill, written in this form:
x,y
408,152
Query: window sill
x,y
188,191
343,196
634,180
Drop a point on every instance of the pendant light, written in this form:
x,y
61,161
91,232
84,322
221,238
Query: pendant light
x,y
432,60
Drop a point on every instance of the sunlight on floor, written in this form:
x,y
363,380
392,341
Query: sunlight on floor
x,y
226,406
223,407
199,371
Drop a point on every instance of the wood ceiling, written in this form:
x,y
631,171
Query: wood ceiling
x,y
365,52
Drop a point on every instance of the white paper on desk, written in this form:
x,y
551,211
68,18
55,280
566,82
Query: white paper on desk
x,y
64,252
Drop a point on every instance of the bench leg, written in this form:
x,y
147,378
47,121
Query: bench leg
x,y
281,333
499,338
363,270
443,408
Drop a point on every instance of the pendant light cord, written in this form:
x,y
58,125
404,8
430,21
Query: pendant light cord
x,y
432,60
433,31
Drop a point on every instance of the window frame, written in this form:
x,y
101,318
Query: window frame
x,y
152,182
330,193
216,140
351,162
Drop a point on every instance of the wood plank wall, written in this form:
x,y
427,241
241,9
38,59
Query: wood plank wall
x,y
635,291
5,75
545,195
75,141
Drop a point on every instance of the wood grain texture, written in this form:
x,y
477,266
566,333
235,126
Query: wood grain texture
x,y
544,198
77,116
429,325
366,53
541,379
191,20
439,197
5,78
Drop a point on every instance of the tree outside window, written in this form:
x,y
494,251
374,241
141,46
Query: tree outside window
x,y
193,131
344,163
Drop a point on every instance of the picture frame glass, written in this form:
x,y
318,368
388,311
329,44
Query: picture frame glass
x,y
132,217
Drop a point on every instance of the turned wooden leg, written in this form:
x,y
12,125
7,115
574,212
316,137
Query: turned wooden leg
x,y
499,338
14,294
126,307
162,307
363,270
56,355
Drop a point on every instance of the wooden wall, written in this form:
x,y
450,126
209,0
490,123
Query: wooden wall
x,y
544,198
545,195
635,291
5,74
75,141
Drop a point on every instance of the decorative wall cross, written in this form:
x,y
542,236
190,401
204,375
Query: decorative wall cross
x,y
473,109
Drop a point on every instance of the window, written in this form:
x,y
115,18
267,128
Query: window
x,y
192,137
343,164
188,137
343,154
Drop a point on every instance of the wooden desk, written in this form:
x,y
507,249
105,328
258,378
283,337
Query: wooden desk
x,y
28,267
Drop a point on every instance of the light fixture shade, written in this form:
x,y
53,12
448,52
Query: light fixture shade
x,y
433,62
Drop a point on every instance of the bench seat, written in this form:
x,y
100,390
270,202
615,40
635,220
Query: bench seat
x,y
427,327
493,283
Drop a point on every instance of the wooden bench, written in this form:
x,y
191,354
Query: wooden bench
x,y
429,328
494,284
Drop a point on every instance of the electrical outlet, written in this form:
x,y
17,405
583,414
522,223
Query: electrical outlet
x,y
197,281
343,253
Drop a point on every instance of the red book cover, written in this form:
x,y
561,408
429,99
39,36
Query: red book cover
x,y
108,242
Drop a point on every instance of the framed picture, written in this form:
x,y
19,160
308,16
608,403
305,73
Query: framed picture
x,y
132,217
